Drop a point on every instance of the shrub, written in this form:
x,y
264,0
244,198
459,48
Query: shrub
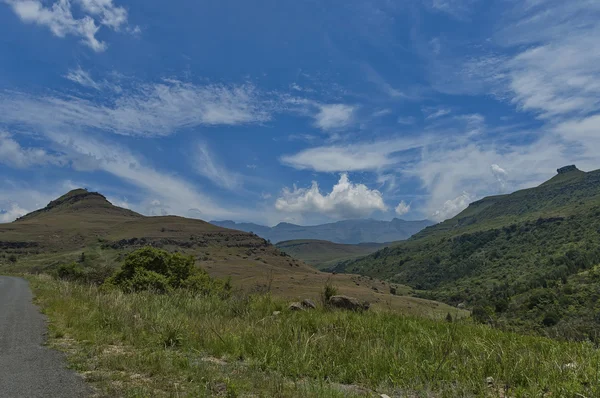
x,y
12,258
328,291
70,272
160,271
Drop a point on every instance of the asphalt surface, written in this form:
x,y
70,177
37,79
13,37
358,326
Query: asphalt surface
x,y
27,368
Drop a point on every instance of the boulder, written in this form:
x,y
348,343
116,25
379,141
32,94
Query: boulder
x,y
348,303
309,304
296,307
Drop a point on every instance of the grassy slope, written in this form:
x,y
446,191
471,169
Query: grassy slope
x,y
516,255
82,222
323,254
179,345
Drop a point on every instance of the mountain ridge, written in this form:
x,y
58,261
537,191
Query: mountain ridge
x,y
342,232
529,260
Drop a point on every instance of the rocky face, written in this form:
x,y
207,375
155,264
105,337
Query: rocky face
x,y
567,169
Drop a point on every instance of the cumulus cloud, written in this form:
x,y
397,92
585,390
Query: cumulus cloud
x,y
206,165
500,175
147,110
61,22
452,207
14,155
402,208
346,200
334,116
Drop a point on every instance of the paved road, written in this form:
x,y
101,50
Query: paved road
x,y
27,368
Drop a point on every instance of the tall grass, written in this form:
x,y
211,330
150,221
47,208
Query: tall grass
x,y
180,344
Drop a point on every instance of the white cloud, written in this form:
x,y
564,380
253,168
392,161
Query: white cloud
x,y
334,116
17,200
346,200
14,155
11,212
148,110
177,195
106,11
406,120
402,208
83,78
382,112
452,207
501,175
361,156
435,112
459,9
206,165
61,22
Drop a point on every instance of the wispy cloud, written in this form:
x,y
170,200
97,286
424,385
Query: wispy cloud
x,y
362,156
14,155
460,9
176,195
83,78
206,165
61,22
147,110
435,112
346,200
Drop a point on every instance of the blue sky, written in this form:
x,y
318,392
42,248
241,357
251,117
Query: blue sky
x,y
300,111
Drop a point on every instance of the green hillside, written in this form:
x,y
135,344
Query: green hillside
x,y
525,261
323,254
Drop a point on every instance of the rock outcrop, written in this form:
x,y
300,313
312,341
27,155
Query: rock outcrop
x,y
348,303
567,169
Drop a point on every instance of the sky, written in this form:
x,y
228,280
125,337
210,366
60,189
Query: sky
x,y
299,111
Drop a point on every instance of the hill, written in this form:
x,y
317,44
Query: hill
x,y
323,254
345,232
526,261
85,227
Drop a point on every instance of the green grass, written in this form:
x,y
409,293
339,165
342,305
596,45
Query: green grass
x,y
183,345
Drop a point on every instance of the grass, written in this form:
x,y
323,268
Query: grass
x,y
183,345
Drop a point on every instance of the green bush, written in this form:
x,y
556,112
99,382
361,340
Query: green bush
x,y
160,271
70,272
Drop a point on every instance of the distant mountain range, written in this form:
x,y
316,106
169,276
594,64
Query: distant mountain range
x,y
346,232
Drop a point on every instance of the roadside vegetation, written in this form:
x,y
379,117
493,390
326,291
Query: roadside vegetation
x,y
194,342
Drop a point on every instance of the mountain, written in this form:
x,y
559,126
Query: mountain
x,y
322,254
528,260
85,227
345,232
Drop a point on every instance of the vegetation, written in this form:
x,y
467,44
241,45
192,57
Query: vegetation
x,y
161,272
184,344
323,254
525,261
